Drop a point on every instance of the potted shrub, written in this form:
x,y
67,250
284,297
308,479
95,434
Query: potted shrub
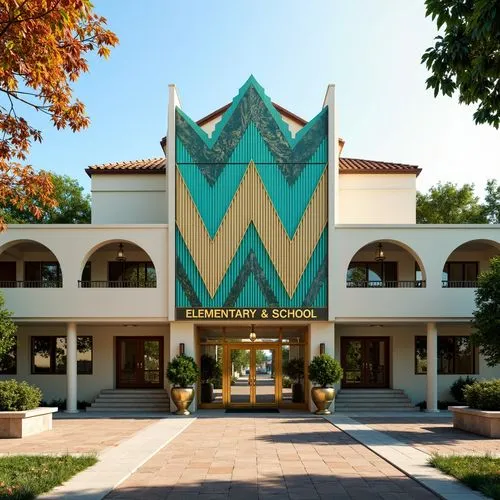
x,y
295,370
20,411
209,373
324,371
482,413
182,373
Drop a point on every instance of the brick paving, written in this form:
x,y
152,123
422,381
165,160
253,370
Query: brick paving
x,y
78,435
433,435
254,457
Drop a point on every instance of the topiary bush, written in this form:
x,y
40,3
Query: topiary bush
x,y
457,388
325,370
19,396
182,371
483,395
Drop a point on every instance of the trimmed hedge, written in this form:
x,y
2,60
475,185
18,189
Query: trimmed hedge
x,y
483,395
457,388
19,396
325,370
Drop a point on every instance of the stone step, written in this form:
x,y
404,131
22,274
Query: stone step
x,y
118,409
133,391
371,391
134,396
373,400
372,409
382,402
142,404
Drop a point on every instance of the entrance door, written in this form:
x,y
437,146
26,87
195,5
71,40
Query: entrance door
x,y
251,375
139,362
365,361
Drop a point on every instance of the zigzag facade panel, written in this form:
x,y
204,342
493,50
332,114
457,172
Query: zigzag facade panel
x,y
251,209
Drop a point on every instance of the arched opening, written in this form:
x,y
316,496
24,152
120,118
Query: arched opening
x,y
385,264
118,264
29,264
466,262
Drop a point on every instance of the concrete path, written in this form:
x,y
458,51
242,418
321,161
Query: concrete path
x,y
279,456
116,464
405,457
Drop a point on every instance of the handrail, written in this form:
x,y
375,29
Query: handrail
x,y
459,284
386,284
31,284
116,284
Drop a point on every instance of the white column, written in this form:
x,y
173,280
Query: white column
x,y
432,378
183,332
71,379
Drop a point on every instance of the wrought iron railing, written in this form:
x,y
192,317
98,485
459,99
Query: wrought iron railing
x,y
31,284
386,284
459,284
116,284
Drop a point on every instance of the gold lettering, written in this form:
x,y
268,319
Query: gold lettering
x,y
189,313
275,314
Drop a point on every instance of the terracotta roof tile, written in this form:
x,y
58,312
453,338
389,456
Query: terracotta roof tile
x,y
355,165
347,166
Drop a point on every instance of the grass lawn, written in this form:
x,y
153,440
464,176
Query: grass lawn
x,y
24,477
481,473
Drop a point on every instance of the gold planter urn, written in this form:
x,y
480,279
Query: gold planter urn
x,y
322,398
182,398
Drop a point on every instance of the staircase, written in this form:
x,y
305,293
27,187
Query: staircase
x,y
131,400
374,400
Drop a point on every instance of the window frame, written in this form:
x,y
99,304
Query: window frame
x,y
474,354
41,263
366,263
137,263
463,263
52,355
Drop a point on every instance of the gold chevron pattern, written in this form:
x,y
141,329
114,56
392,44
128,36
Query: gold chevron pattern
x,y
251,203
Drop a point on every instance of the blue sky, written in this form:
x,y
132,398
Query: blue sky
x,y
369,49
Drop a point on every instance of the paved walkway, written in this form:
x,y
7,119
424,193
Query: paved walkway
x,y
77,435
279,457
433,435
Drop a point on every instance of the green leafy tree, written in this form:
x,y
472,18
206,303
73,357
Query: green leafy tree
x,y
465,59
492,202
260,358
325,370
487,314
7,330
240,358
182,371
72,205
449,204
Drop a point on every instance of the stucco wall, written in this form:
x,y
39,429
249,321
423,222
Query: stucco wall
x,y
377,199
402,356
104,358
129,199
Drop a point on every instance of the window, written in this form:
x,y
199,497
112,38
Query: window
x,y
44,274
48,355
456,355
8,363
372,273
133,274
460,274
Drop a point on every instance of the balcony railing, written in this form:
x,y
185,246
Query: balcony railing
x,y
116,284
31,284
386,284
459,284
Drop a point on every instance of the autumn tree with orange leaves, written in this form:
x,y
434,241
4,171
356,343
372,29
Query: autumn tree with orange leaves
x,y
43,49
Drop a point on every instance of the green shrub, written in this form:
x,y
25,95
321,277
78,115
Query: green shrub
x,y
287,383
295,369
182,371
457,388
19,396
483,395
325,370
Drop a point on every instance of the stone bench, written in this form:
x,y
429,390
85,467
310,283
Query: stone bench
x,y
19,424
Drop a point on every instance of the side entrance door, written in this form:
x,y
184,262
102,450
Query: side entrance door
x,y
365,361
139,362
251,376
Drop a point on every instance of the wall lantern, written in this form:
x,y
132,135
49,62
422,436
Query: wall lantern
x,y
181,349
252,335
322,348
379,254
120,255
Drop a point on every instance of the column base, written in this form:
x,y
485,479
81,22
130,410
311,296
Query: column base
x,y
431,410
71,411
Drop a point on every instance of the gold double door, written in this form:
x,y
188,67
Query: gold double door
x,y
252,375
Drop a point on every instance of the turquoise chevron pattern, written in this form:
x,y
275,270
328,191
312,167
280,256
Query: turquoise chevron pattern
x,y
212,169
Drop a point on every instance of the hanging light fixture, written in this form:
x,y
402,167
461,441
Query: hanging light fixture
x,y
120,255
379,254
252,335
